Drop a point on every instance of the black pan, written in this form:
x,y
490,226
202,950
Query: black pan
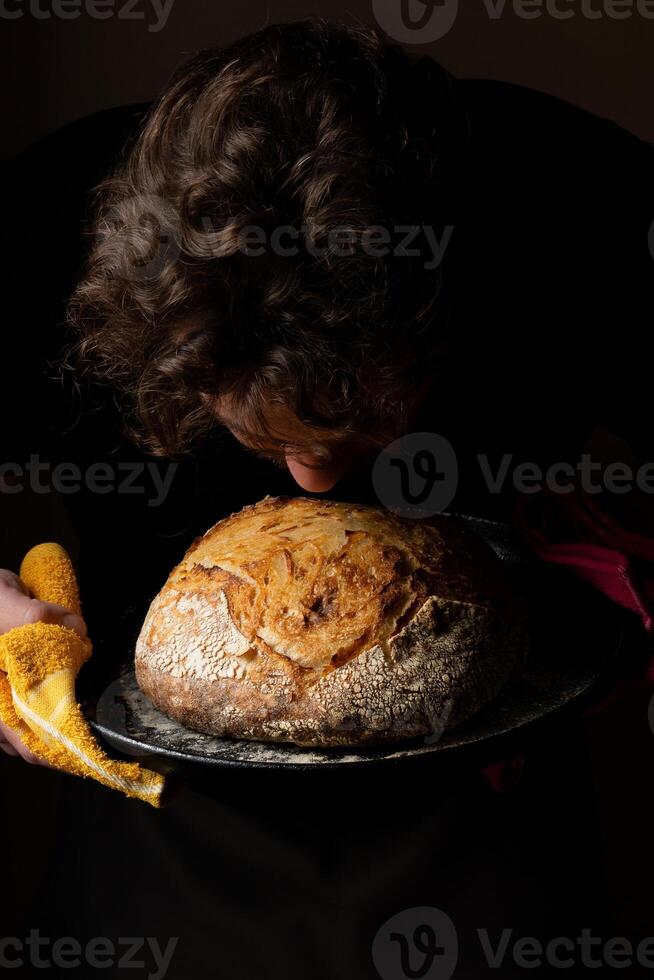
x,y
575,638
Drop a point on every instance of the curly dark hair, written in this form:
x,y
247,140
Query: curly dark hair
x,y
300,126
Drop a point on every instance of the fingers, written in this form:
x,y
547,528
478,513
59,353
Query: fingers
x,y
18,608
11,744
36,611
10,581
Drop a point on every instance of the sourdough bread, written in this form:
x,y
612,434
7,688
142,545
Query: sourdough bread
x,y
327,624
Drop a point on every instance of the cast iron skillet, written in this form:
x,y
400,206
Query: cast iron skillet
x,y
575,638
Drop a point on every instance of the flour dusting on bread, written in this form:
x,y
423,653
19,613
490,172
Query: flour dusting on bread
x,y
326,623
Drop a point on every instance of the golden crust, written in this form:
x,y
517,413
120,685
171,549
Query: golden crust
x,y
328,623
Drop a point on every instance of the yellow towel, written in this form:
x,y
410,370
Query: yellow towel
x,y
37,689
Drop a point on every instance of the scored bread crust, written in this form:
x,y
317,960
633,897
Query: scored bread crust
x,y
326,624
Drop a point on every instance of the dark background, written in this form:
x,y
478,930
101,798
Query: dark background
x,y
53,71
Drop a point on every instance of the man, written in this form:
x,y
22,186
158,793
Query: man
x,y
310,246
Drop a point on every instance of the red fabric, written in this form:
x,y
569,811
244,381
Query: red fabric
x,y
504,775
573,531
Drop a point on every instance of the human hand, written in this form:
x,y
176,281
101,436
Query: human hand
x,y
19,608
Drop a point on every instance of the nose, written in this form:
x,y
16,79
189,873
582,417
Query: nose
x,y
309,473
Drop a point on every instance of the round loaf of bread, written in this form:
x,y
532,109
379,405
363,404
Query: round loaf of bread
x,y
328,624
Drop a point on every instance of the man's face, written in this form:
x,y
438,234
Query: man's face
x,y
315,471
313,474
318,469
